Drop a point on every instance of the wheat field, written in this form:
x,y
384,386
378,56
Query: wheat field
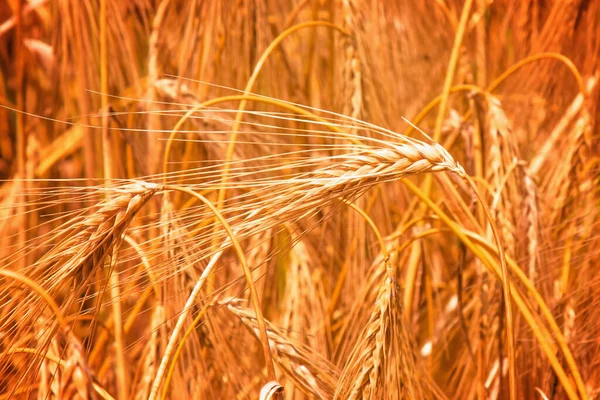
x,y
299,199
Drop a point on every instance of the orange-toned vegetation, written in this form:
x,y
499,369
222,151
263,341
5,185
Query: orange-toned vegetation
x,y
299,199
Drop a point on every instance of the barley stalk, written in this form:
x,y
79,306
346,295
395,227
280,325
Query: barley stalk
x,y
532,216
308,370
370,370
87,241
150,359
82,247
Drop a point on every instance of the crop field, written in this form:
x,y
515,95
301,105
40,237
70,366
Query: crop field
x,y
299,199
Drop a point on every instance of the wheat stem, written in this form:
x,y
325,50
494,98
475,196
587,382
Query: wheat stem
x,y
544,339
61,363
179,325
541,56
41,292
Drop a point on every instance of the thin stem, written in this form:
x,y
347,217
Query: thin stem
x,y
179,325
20,119
254,98
179,348
106,145
510,333
107,156
249,280
549,55
431,105
60,362
41,292
539,331
369,221
460,32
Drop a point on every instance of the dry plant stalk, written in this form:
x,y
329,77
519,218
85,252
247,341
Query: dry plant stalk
x,y
367,374
313,374
220,108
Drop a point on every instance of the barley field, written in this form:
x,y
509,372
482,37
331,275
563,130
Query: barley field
x,y
299,199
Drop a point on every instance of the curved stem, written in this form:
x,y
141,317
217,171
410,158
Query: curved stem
x,y
466,237
441,112
180,345
99,342
60,362
246,97
253,295
248,274
179,325
545,310
539,330
498,81
41,292
536,57
431,105
530,287
510,329
262,60
369,221
135,246
339,282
